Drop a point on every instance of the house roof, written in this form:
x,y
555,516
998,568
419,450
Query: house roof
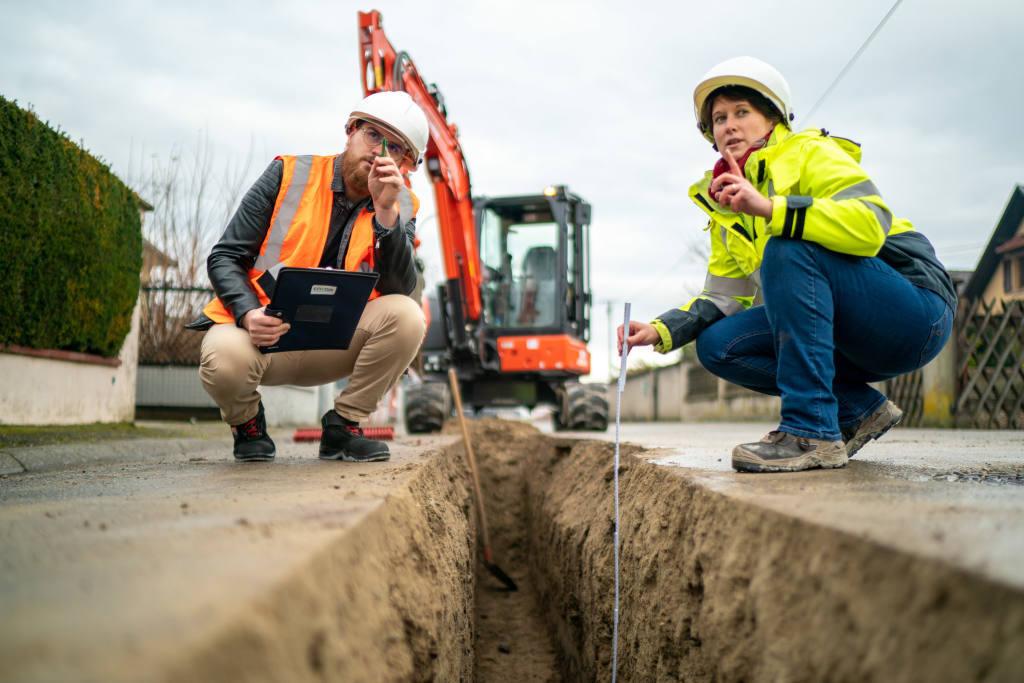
x,y
142,203
156,256
1012,244
1005,230
960,279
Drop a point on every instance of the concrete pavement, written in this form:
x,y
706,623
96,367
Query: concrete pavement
x,y
953,495
122,566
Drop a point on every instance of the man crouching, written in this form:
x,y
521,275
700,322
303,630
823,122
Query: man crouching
x,y
350,211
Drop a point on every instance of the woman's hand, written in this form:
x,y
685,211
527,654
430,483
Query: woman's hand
x,y
735,191
640,334
264,330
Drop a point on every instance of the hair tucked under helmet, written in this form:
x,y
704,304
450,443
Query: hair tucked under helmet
x,y
747,73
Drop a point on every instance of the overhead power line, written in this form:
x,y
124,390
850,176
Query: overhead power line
x,y
853,59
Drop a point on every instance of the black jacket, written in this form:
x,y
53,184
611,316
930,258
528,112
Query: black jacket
x,y
236,252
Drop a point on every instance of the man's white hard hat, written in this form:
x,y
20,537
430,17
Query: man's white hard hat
x,y
395,111
749,72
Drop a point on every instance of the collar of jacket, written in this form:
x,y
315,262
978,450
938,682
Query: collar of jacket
x,y
773,169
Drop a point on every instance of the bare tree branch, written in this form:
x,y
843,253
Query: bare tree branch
x,y
190,209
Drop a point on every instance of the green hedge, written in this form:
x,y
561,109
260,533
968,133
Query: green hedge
x,y
70,242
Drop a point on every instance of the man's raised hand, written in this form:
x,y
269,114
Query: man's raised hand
x,y
385,182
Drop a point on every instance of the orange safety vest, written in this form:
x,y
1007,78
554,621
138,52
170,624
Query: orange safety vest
x,y
301,222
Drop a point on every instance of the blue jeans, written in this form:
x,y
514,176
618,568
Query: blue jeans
x,y
831,323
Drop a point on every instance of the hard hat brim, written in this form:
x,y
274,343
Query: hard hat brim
x,y
705,89
369,118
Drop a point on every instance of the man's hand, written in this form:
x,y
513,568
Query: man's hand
x,y
640,334
735,191
264,330
385,182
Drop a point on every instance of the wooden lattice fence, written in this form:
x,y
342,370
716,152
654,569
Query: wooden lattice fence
x,y
990,365
907,391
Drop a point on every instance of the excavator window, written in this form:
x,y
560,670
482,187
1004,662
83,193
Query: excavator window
x,y
521,269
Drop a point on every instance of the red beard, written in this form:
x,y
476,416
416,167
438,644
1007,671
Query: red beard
x,y
354,176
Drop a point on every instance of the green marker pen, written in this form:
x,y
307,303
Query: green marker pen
x,y
383,147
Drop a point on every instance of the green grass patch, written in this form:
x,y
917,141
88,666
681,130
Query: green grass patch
x,y
16,436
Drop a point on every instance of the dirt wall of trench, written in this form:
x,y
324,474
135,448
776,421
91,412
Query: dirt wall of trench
x,y
716,589
390,600
713,589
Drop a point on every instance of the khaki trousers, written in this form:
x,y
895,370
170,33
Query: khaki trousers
x,y
385,342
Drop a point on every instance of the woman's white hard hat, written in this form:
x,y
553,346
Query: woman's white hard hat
x,y
397,112
749,72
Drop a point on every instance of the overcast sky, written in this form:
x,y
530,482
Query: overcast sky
x,y
595,95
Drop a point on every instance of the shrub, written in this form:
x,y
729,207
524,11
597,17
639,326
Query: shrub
x,y
70,242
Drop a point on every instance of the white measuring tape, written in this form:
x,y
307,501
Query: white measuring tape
x,y
618,422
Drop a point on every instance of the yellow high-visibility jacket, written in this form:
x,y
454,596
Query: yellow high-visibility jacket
x,y
819,193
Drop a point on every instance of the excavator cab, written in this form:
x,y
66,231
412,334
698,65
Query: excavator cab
x,y
535,276
528,346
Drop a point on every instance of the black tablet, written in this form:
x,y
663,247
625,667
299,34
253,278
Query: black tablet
x,y
323,307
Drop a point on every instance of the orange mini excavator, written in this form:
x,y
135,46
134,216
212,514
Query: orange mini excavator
x,y
513,315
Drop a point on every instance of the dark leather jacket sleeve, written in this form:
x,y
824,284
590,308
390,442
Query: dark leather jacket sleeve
x,y
236,251
395,258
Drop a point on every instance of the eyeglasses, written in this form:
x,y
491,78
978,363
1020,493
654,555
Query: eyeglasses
x,y
375,138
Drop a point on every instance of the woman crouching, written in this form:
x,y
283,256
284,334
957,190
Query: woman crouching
x,y
852,294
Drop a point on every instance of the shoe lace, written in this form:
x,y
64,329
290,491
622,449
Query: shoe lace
x,y
251,428
354,430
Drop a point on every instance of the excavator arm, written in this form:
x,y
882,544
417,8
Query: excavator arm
x,y
384,68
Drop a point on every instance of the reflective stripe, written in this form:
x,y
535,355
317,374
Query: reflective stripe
x,y
405,210
731,286
725,304
864,188
755,277
725,235
270,259
798,201
884,216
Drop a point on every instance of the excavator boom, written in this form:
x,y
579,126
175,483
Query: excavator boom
x,y
384,68
512,318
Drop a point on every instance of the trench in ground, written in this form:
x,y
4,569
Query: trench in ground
x,y
713,588
513,638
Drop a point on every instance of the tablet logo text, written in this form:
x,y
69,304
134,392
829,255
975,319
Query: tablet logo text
x,y
323,289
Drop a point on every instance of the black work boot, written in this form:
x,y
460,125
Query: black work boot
x,y
342,439
252,443
782,452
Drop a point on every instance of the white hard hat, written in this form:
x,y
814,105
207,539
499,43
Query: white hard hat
x,y
395,111
748,72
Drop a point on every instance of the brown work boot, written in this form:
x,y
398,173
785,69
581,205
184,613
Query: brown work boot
x,y
783,452
873,427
